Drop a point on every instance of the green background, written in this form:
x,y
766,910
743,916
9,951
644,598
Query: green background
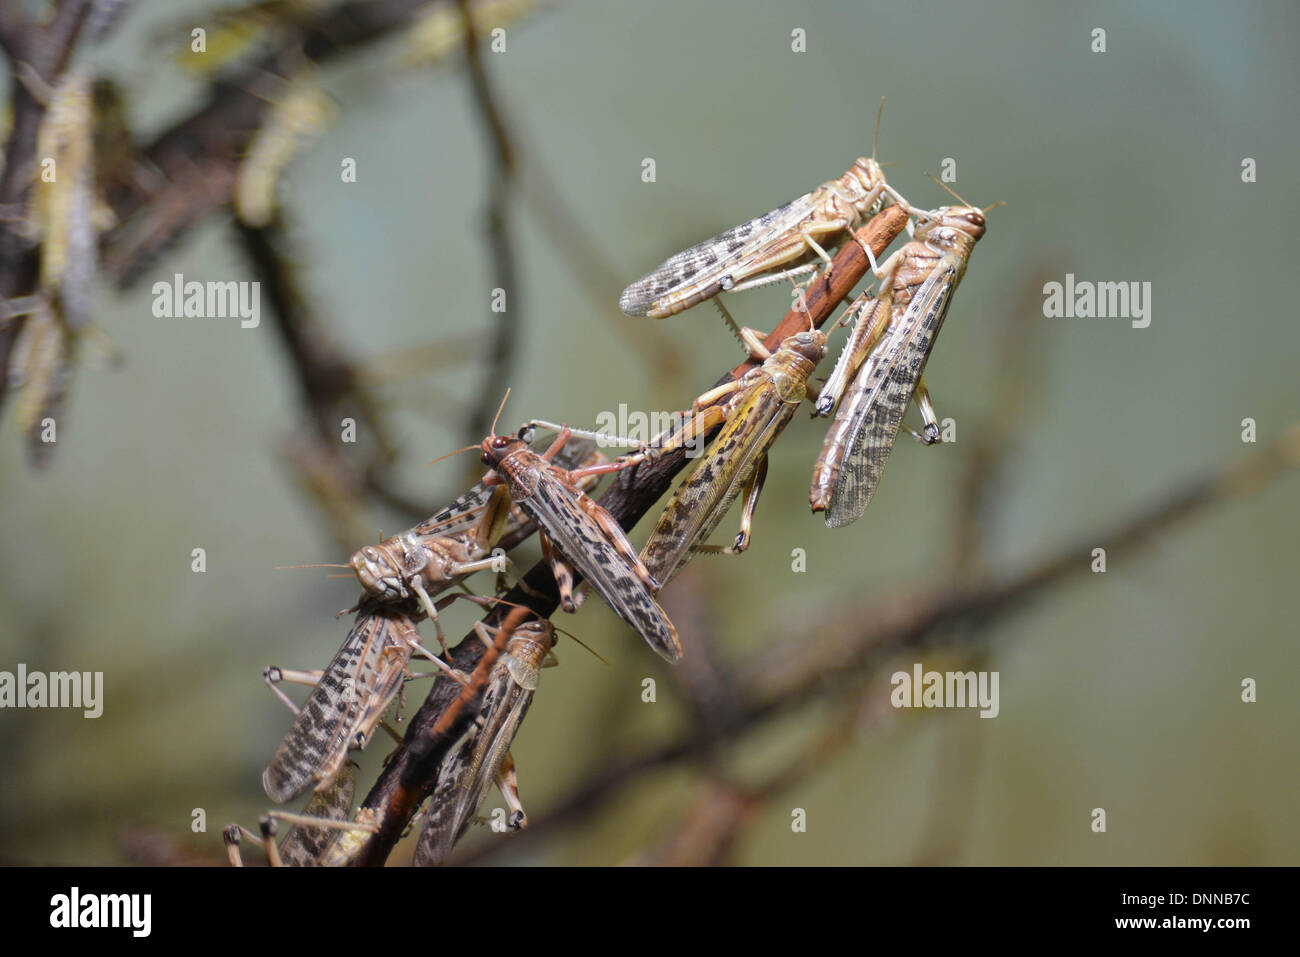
x,y
1119,691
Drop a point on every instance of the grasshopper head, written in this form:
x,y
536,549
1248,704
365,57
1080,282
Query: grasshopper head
x,y
967,220
376,573
811,345
497,448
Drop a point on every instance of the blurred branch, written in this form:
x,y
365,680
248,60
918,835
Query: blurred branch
x,y
1017,392
198,156
327,379
586,260
501,189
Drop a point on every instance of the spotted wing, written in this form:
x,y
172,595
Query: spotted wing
x,y
704,498
473,766
708,268
885,385
348,700
304,845
606,559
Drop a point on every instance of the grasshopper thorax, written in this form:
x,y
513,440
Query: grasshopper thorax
x,y
526,650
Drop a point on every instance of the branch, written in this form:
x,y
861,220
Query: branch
x,y
500,201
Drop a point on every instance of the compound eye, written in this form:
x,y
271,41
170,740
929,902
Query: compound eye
x,y
500,442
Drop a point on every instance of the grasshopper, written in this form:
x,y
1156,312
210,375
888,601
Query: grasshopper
x,y
40,364
63,214
577,533
298,117
483,756
759,406
889,347
346,704
753,253
65,218
237,32
455,542
355,689
314,832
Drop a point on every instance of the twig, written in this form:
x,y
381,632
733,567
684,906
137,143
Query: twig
x,y
502,176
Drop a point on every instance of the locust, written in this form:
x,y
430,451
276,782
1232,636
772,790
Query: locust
x,y
483,755
577,534
757,407
61,218
455,542
40,364
754,253
241,31
888,350
296,118
352,693
65,218
315,831
63,214
307,842
346,704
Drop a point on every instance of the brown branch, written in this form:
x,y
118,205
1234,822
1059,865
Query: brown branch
x,y
413,770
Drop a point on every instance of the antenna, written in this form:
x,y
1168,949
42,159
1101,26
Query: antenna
x,y
499,409
450,454
875,139
946,189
